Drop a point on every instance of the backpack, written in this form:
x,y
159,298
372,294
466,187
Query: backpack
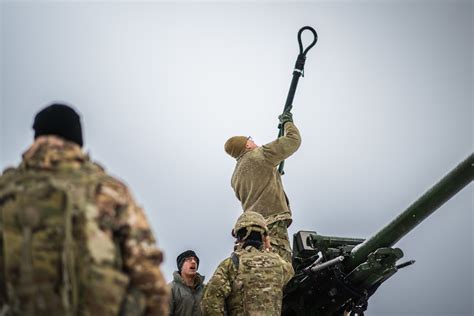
x,y
260,276
55,259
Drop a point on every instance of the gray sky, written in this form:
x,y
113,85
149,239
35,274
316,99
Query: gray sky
x,y
385,110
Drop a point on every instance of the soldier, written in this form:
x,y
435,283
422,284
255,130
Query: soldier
x,y
251,280
187,286
257,183
72,239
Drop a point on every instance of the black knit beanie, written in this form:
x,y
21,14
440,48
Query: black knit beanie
x,y
188,253
60,120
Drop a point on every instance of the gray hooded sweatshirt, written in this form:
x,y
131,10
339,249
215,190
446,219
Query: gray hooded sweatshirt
x,y
186,301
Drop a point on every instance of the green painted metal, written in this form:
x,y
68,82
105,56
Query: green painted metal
x,y
441,192
324,285
380,265
323,242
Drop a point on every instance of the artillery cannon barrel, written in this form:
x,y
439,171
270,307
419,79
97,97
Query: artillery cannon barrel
x,y
441,192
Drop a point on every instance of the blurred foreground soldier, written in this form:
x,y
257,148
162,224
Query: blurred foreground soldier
x,y
187,286
73,241
251,281
257,182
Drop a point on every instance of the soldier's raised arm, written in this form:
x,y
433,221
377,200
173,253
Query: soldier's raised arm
x,y
283,147
217,290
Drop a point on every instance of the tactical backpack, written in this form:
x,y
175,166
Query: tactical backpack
x,y
55,259
259,279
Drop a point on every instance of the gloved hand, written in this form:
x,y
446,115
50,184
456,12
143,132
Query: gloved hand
x,y
285,117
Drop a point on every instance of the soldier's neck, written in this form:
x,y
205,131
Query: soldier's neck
x,y
256,244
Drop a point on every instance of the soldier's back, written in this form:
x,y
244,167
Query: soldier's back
x,y
260,278
59,219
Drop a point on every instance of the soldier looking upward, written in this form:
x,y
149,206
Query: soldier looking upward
x,y
257,182
72,239
187,286
251,280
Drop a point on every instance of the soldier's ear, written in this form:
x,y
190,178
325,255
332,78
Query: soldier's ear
x,y
233,233
266,242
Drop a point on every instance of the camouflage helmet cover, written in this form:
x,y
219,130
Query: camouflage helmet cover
x,y
254,220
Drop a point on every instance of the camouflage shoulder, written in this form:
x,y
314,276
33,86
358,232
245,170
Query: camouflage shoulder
x,y
115,184
227,263
237,253
7,174
287,266
105,179
225,270
95,166
276,256
8,171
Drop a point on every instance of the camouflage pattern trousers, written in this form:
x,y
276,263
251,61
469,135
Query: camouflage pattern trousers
x,y
279,240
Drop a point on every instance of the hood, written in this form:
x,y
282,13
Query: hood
x,y
199,280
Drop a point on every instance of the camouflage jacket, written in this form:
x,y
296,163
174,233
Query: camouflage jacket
x,y
256,181
250,282
186,301
122,238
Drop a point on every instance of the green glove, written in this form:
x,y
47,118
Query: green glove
x,y
285,117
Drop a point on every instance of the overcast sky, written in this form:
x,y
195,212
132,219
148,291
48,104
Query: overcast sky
x,y
384,109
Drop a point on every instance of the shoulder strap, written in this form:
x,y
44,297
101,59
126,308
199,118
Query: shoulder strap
x,y
235,260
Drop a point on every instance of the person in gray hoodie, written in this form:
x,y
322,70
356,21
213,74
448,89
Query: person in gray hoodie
x,y
187,286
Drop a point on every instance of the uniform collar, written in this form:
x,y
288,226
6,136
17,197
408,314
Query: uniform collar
x,y
50,152
198,280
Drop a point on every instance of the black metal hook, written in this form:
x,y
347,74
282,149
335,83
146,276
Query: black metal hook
x,y
312,44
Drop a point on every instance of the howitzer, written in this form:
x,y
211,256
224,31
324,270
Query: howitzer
x,y
336,274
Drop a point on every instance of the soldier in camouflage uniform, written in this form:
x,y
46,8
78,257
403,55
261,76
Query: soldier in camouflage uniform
x,y
251,280
72,239
257,182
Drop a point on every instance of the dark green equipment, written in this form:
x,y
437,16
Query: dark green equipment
x,y
334,274
297,73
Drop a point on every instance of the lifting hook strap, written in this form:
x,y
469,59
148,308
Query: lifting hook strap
x,y
297,72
